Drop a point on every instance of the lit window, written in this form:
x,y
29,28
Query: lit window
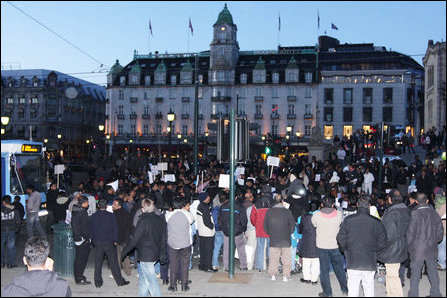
x,y
347,130
328,132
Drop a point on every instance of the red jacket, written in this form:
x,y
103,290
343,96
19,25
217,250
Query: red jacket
x,y
257,216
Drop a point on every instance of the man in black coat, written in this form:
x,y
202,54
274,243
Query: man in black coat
x,y
396,220
124,222
424,233
81,237
308,245
52,195
361,256
150,239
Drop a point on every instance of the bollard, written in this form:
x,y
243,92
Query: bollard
x,y
64,250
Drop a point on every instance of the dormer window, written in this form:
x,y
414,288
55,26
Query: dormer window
x,y
244,78
259,76
133,79
308,77
147,80
275,78
173,80
291,75
122,80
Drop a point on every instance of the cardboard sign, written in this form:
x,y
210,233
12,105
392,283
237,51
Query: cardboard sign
x,y
59,169
240,182
186,166
154,170
273,161
317,177
170,177
114,184
162,166
224,181
240,171
151,178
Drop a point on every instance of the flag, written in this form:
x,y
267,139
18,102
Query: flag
x,y
334,27
279,22
190,27
150,27
318,19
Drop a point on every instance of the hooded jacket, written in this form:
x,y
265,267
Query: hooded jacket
x,y
204,221
80,223
240,218
10,219
258,211
308,246
37,283
279,225
395,220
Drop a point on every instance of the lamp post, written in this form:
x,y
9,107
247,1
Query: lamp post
x,y
206,144
289,131
171,117
101,129
5,121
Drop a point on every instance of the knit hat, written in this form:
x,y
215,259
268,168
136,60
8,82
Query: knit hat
x,y
203,196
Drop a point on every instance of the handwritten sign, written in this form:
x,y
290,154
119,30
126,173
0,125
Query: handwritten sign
x,y
162,166
59,169
224,181
273,161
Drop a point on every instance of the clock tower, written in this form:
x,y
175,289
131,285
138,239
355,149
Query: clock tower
x,y
224,49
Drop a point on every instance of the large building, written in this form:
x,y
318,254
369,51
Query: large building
x,y
49,106
286,91
434,63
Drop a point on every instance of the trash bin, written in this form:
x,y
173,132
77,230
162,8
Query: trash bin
x,y
64,250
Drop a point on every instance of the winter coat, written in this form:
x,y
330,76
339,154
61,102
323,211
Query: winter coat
x,y
80,223
424,233
279,225
124,222
37,283
10,219
103,227
240,218
308,245
257,216
395,220
204,221
150,238
51,198
361,236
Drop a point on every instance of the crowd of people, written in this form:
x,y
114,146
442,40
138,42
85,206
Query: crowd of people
x,y
304,217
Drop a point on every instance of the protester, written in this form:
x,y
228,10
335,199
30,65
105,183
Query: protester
x,y
52,195
32,212
395,220
81,237
10,225
104,234
361,256
124,222
440,208
327,223
279,225
150,239
206,231
19,206
424,233
39,280
250,233
308,248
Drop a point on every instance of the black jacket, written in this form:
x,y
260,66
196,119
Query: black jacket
x,y
240,218
361,236
150,239
51,198
308,244
124,222
395,220
424,233
279,225
37,283
80,223
10,219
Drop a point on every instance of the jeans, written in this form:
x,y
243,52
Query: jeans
x,y
441,253
328,256
108,249
81,258
239,242
262,244
433,277
9,239
355,277
218,243
178,265
147,280
293,257
157,268
32,218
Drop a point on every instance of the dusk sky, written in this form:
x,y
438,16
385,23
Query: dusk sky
x,y
113,30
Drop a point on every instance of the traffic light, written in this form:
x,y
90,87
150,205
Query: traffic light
x,y
268,150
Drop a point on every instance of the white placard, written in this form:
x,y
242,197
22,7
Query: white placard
x,y
154,170
273,161
317,177
344,204
114,184
59,169
224,181
170,177
273,189
387,190
240,182
162,166
186,166
240,171
151,178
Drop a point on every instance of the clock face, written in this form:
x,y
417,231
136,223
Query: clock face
x,y
71,92
222,28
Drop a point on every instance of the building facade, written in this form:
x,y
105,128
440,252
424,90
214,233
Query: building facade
x,y
434,63
52,107
280,91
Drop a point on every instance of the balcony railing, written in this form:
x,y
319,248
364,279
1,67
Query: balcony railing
x,y
133,116
120,116
159,116
291,98
221,98
308,116
185,99
259,98
146,116
328,101
274,116
134,99
291,116
258,116
185,116
158,99
217,116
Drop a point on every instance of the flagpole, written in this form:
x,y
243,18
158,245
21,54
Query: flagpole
x,y
279,26
187,31
149,38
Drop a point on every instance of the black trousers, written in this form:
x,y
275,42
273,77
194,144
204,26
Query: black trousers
x,y
108,249
206,252
179,257
82,252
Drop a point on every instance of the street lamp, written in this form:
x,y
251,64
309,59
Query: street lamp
x,y
298,134
45,141
171,117
5,121
59,136
87,141
101,127
179,136
289,129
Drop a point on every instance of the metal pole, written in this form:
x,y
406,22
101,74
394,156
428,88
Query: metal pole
x,y
381,156
237,104
196,114
232,161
